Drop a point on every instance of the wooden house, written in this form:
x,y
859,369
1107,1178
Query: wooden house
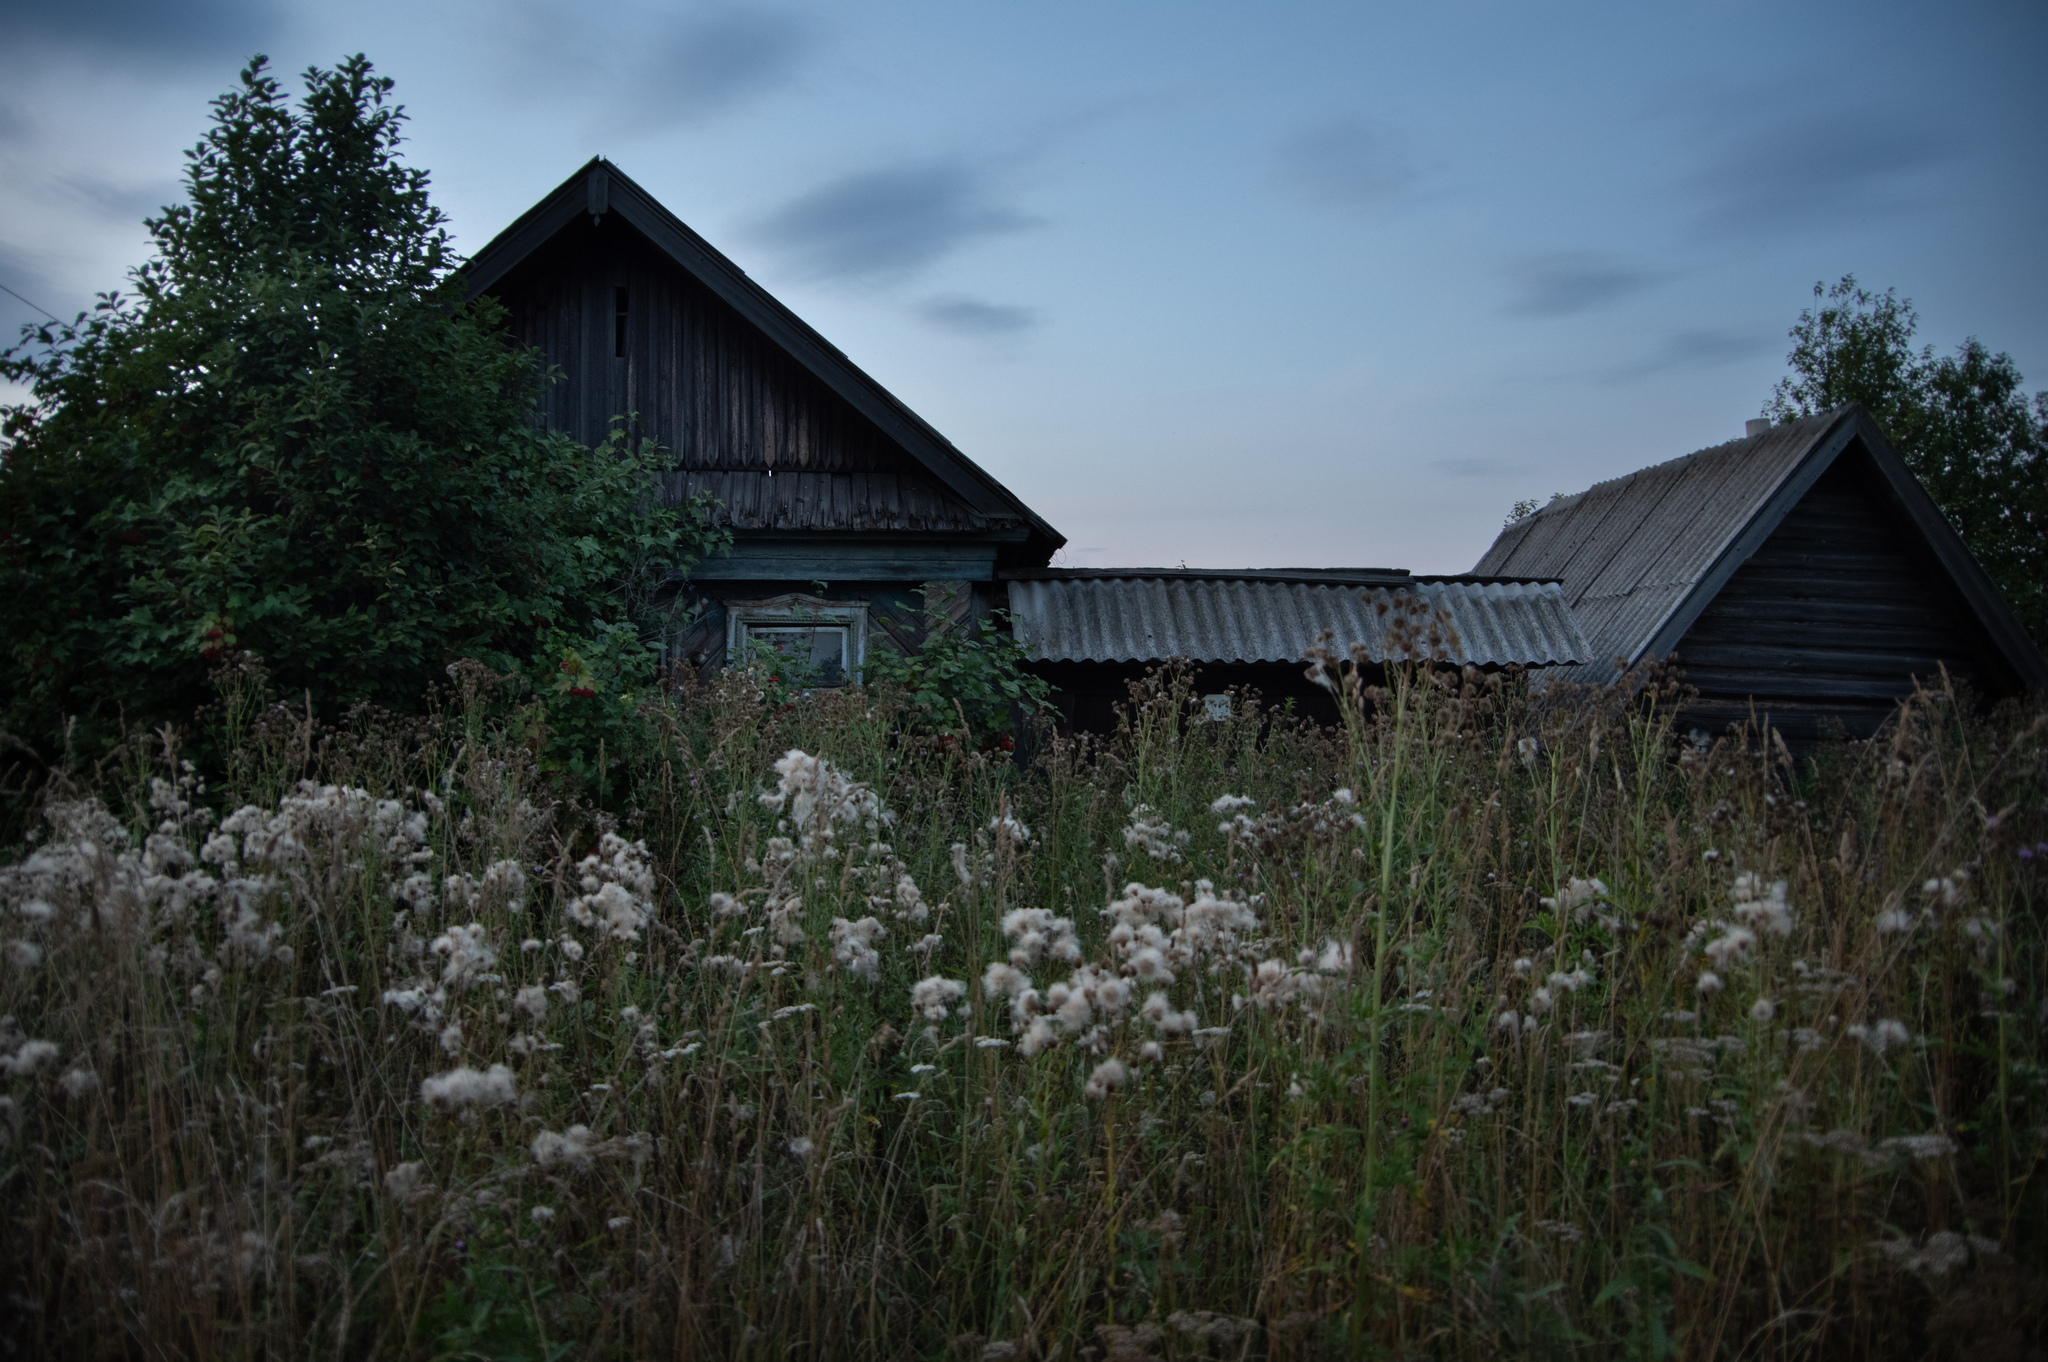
x,y
1801,573
842,502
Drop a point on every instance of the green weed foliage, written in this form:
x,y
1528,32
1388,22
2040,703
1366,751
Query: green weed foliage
x,y
1500,1022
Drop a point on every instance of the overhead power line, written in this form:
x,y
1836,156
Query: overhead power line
x,y
37,306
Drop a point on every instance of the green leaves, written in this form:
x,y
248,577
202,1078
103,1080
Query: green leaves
x,y
972,669
294,439
1964,424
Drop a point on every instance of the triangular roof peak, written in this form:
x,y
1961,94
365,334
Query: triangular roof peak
x,y
600,189
1643,555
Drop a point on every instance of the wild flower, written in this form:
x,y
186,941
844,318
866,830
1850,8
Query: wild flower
x,y
1525,748
540,1215
407,1183
1009,827
1578,897
1571,981
1226,805
28,1057
504,882
1880,1036
1762,1010
531,999
853,947
1733,944
1334,959
1919,1146
24,954
469,956
1761,907
1154,836
1275,986
820,796
725,905
1893,921
78,1084
1943,1251
569,1148
1105,1079
1159,1012
1708,982
935,996
1038,1036
1946,891
467,1087
1037,932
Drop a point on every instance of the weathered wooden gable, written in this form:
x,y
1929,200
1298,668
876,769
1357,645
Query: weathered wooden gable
x,y
843,503
1801,572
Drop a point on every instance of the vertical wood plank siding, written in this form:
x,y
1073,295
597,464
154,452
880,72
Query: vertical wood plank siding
x,y
1836,612
704,383
741,420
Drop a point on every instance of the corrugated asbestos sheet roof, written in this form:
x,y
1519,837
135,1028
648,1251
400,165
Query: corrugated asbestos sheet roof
x,y
1139,616
1631,550
749,499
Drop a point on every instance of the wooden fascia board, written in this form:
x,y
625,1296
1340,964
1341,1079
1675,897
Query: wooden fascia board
x,y
1747,539
812,351
1994,615
531,231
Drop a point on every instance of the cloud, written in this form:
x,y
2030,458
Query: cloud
x,y
1697,348
1567,282
1823,169
880,223
636,73
152,28
972,317
1344,164
698,65
124,203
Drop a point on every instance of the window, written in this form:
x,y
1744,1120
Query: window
x,y
822,643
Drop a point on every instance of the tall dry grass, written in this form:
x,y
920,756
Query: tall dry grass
x,y
1483,1026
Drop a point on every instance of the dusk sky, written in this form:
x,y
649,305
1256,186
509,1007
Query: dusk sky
x,y
1231,285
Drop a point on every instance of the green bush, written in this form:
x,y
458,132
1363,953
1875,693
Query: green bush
x,y
294,439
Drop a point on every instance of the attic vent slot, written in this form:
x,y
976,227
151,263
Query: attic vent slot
x,y
618,323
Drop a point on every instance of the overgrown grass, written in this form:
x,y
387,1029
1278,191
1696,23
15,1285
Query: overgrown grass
x,y
410,1060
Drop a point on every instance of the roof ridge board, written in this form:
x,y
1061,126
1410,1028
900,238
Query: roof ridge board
x,y
712,267
1564,504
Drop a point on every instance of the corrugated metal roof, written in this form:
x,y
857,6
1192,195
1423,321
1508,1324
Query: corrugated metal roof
x,y
1632,550
1108,616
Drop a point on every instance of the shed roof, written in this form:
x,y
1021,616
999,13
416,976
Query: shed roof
x,y
1150,614
600,188
1640,556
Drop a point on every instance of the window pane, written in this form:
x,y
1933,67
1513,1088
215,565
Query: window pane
x,y
817,656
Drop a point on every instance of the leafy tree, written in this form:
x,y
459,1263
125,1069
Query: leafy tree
x,y
294,438
1963,423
